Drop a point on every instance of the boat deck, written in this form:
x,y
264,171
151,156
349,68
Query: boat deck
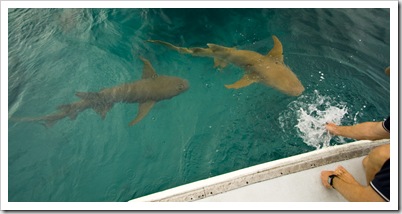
x,y
304,186
293,179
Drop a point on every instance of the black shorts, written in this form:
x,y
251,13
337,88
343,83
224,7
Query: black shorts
x,y
381,181
385,125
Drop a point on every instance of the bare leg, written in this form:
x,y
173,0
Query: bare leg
x,y
373,162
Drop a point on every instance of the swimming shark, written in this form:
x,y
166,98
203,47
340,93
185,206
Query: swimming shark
x,y
268,69
151,89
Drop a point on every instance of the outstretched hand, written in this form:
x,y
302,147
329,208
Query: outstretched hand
x,y
332,128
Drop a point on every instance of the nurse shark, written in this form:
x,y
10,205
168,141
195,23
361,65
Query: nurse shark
x,y
151,89
268,69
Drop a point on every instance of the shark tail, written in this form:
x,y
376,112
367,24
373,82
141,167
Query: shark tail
x,y
193,51
50,119
88,99
47,121
170,46
88,95
211,51
68,110
96,101
216,48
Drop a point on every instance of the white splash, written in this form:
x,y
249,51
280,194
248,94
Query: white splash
x,y
312,112
311,124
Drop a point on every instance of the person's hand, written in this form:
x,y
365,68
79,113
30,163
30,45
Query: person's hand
x,y
340,172
324,178
332,128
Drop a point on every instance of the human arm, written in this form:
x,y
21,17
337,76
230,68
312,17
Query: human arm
x,y
361,131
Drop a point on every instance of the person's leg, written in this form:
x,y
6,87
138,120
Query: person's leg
x,y
373,162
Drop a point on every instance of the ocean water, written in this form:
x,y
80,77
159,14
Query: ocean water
x,y
338,54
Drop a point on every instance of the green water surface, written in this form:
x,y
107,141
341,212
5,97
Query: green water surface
x,y
338,54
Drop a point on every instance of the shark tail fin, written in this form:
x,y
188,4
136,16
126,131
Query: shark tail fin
x,y
97,102
193,51
47,122
168,45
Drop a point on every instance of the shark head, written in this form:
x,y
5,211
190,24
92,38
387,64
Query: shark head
x,y
153,88
280,75
286,81
171,86
159,87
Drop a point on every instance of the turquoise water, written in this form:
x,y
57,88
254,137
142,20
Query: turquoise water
x,y
338,54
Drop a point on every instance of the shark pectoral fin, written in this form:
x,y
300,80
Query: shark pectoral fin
x,y
148,71
143,110
277,50
218,63
246,80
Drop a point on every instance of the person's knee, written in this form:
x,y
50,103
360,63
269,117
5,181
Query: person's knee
x,y
365,162
377,157
380,153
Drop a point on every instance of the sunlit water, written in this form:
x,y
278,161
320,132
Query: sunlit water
x,y
338,54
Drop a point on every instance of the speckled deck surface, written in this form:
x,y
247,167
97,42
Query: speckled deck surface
x,y
275,181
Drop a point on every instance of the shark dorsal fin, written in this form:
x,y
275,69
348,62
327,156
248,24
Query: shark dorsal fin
x,y
148,71
277,50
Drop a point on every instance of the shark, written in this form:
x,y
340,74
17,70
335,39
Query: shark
x,y
147,91
268,69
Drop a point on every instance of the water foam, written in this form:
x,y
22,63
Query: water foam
x,y
311,113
